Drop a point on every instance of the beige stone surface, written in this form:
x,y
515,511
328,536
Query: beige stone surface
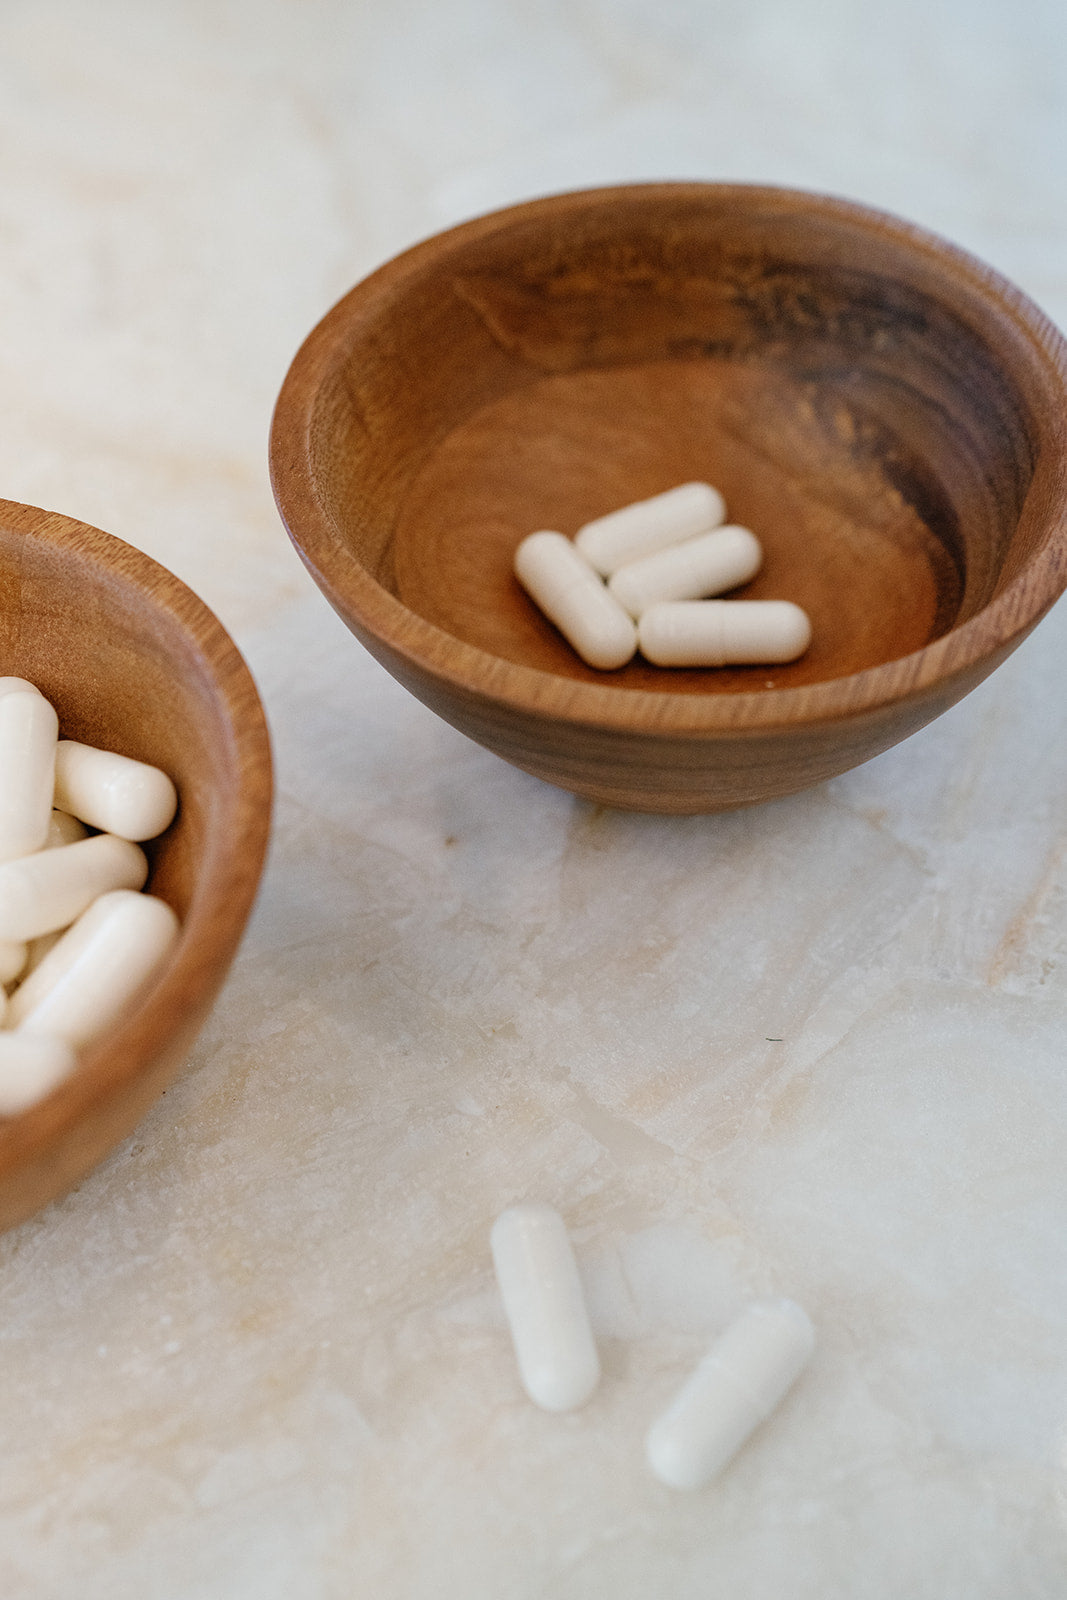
x,y
815,1048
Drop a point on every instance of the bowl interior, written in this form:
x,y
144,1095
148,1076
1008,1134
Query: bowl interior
x,y
134,662
853,387
125,676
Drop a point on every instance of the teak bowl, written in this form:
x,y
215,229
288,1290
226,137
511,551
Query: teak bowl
x,y
134,662
888,415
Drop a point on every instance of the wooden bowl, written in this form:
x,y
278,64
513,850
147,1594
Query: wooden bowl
x,y
884,411
134,662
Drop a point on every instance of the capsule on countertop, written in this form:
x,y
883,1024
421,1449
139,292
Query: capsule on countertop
x,y
638,530
28,731
720,633
114,793
545,1307
31,1066
47,890
13,954
93,973
17,686
563,584
739,1382
706,565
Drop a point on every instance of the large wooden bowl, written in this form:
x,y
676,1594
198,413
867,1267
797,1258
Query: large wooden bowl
x,y
888,414
134,662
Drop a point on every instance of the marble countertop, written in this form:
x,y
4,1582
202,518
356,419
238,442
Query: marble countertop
x,y
815,1048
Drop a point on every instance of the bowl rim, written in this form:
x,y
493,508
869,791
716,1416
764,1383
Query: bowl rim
x,y
153,1040
379,618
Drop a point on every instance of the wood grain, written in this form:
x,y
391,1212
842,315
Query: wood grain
x,y
134,662
886,413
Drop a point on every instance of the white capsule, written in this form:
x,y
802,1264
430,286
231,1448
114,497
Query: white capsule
x,y
545,1307
38,948
719,633
570,594
64,829
122,796
48,890
739,1382
13,956
28,732
706,565
31,1066
17,686
638,530
93,973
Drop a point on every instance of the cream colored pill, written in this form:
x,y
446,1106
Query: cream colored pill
x,y
570,594
719,633
638,530
31,1066
48,890
28,731
64,829
739,1382
13,956
112,792
37,949
706,565
545,1307
17,686
93,973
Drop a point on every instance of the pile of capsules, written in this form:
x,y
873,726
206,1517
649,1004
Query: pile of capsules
x,y
662,558
744,1375
77,940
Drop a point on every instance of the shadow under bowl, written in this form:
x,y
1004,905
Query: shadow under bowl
x,y
887,414
134,662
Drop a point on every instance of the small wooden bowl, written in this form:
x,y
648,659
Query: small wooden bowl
x,y
888,415
134,662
